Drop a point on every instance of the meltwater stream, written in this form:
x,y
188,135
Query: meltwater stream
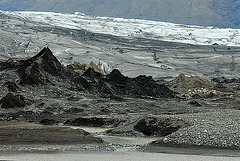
x,y
116,149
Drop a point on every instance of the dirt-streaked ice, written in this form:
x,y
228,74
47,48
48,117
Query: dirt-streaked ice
x,y
138,28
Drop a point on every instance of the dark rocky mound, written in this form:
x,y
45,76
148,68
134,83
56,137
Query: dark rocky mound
x,y
148,126
116,84
13,101
12,63
12,86
183,81
158,127
47,122
40,68
143,85
45,69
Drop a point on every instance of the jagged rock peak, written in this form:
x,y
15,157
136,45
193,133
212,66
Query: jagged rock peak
x,y
45,57
117,76
48,61
45,51
38,69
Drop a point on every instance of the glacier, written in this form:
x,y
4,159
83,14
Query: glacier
x,y
135,47
198,35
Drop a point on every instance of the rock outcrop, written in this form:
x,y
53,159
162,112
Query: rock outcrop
x,y
45,69
12,86
40,68
186,82
116,84
13,101
148,126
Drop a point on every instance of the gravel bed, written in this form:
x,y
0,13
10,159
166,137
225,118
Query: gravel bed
x,y
220,129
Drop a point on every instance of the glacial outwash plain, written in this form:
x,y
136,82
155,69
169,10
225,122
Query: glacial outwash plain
x,y
71,82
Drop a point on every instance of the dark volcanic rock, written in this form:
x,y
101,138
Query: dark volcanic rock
x,y
13,101
47,122
117,78
156,127
92,77
146,86
148,126
12,63
12,86
40,68
116,84
45,69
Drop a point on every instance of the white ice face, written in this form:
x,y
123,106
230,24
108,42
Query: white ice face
x,y
138,28
105,68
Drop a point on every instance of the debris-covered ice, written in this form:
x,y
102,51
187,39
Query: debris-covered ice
x,y
138,28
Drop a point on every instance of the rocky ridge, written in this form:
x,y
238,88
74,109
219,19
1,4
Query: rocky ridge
x,y
44,68
40,90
